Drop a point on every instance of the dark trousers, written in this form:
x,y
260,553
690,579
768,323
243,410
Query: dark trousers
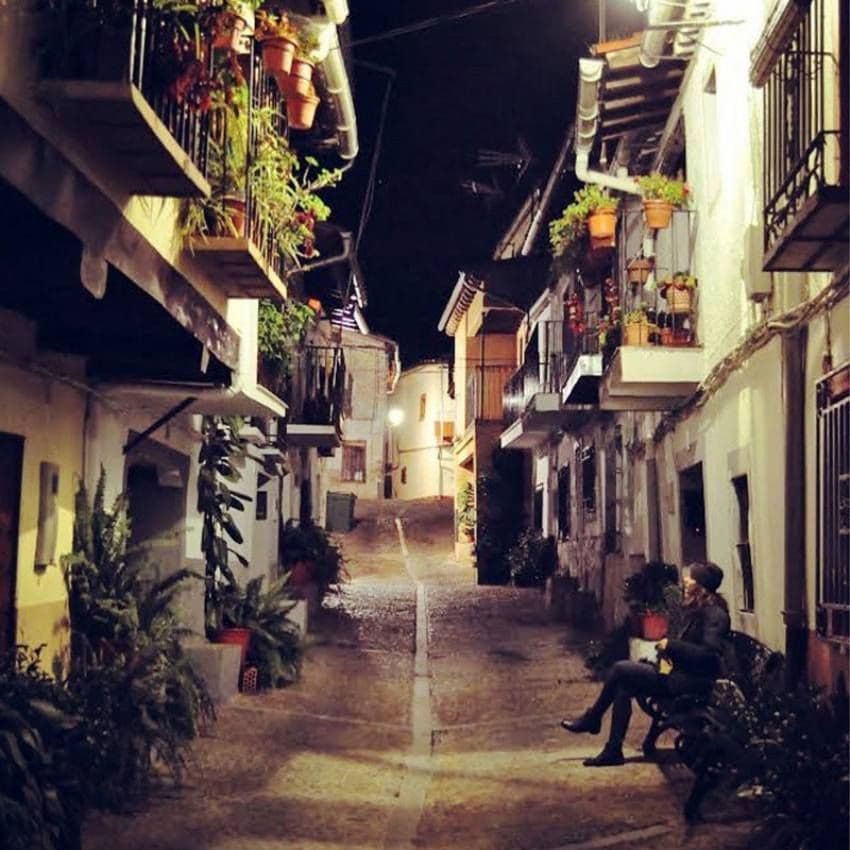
x,y
627,679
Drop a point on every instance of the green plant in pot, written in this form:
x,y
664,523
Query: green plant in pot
x,y
601,213
661,194
466,512
275,646
307,552
649,593
280,332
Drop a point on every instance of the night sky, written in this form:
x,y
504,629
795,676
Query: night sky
x,y
478,83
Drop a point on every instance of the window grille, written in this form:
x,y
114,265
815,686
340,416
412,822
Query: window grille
x,y
353,462
833,504
564,502
745,554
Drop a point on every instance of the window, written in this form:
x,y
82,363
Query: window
x,y
588,479
354,462
262,505
692,514
613,484
564,502
833,504
745,556
423,401
538,507
404,475
444,432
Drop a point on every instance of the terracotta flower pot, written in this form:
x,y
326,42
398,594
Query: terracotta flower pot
x,y
235,208
239,637
301,111
678,299
602,224
657,214
235,30
300,77
278,54
653,626
666,336
638,270
636,333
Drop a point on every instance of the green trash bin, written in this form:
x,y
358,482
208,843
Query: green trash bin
x,y
340,512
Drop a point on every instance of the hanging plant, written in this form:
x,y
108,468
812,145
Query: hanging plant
x,y
679,292
280,331
279,40
660,196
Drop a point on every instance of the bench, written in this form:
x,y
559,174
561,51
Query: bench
x,y
698,720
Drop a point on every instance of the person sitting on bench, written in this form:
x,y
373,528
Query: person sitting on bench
x,y
696,658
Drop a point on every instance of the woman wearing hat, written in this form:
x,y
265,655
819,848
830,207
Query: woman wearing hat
x,y
695,657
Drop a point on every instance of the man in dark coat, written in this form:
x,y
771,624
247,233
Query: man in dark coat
x,y
696,658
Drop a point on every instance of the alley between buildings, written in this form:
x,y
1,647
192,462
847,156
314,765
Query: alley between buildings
x,y
427,716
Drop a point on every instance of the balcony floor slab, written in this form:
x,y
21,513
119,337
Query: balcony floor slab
x,y
146,156
312,436
237,267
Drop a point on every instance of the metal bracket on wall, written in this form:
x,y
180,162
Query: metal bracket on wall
x,y
163,420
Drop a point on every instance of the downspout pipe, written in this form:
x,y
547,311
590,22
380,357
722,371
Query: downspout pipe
x,y
587,123
653,40
339,89
794,608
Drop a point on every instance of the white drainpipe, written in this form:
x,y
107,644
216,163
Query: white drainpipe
x,y
339,88
587,122
652,41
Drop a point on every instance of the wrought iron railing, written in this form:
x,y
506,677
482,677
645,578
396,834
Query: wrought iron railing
x,y
537,375
801,136
313,386
132,44
484,385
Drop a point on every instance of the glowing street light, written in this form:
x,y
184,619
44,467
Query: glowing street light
x,y
395,415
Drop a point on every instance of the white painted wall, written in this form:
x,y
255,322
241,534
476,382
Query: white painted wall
x,y
422,462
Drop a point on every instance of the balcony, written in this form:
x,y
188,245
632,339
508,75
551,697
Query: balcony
x,y
109,90
583,362
247,265
531,401
314,392
806,215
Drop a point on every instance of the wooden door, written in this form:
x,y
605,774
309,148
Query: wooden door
x,y
11,457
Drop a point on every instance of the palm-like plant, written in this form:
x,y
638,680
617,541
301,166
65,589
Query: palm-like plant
x,y
276,646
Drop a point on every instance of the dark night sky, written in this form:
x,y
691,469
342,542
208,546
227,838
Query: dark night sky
x,y
477,83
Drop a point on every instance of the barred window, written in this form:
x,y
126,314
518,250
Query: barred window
x,y
833,504
354,462
564,502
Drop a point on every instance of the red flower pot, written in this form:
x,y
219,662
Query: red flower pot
x,y
653,626
239,637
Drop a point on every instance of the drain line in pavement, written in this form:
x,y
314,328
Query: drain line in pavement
x,y
403,823
620,838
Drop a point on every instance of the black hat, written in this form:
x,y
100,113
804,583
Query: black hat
x,y
708,575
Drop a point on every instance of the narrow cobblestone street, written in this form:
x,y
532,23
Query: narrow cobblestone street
x,y
427,716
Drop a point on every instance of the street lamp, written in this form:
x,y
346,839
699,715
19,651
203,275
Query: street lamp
x,y
395,415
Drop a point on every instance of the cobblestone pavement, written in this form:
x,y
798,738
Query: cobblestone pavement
x,y
427,717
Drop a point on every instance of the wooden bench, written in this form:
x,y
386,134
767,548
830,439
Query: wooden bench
x,y
698,720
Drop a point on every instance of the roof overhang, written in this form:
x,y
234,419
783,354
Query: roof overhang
x,y
464,291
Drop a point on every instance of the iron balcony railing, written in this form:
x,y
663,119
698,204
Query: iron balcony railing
x,y
483,397
313,387
802,140
133,44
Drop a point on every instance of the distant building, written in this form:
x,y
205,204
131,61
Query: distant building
x,y
422,420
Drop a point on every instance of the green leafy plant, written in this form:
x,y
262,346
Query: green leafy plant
x,y
273,25
466,509
644,591
532,559
142,701
567,232
41,742
221,447
308,543
657,187
276,646
280,331
636,317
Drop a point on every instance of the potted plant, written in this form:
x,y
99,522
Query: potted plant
x,y
636,328
660,195
650,594
280,331
314,562
301,108
665,330
466,512
235,27
678,291
278,40
638,270
299,82
601,213
258,622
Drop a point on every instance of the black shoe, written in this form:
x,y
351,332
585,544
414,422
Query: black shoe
x,y
586,723
609,757
649,750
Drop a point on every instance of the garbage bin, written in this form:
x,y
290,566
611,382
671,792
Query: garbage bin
x,y
340,512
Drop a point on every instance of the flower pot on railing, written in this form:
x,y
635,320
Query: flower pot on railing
x,y
235,211
639,269
636,333
300,80
678,293
657,214
301,109
235,30
278,55
602,225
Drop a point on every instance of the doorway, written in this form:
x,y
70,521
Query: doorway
x,y
692,513
11,462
